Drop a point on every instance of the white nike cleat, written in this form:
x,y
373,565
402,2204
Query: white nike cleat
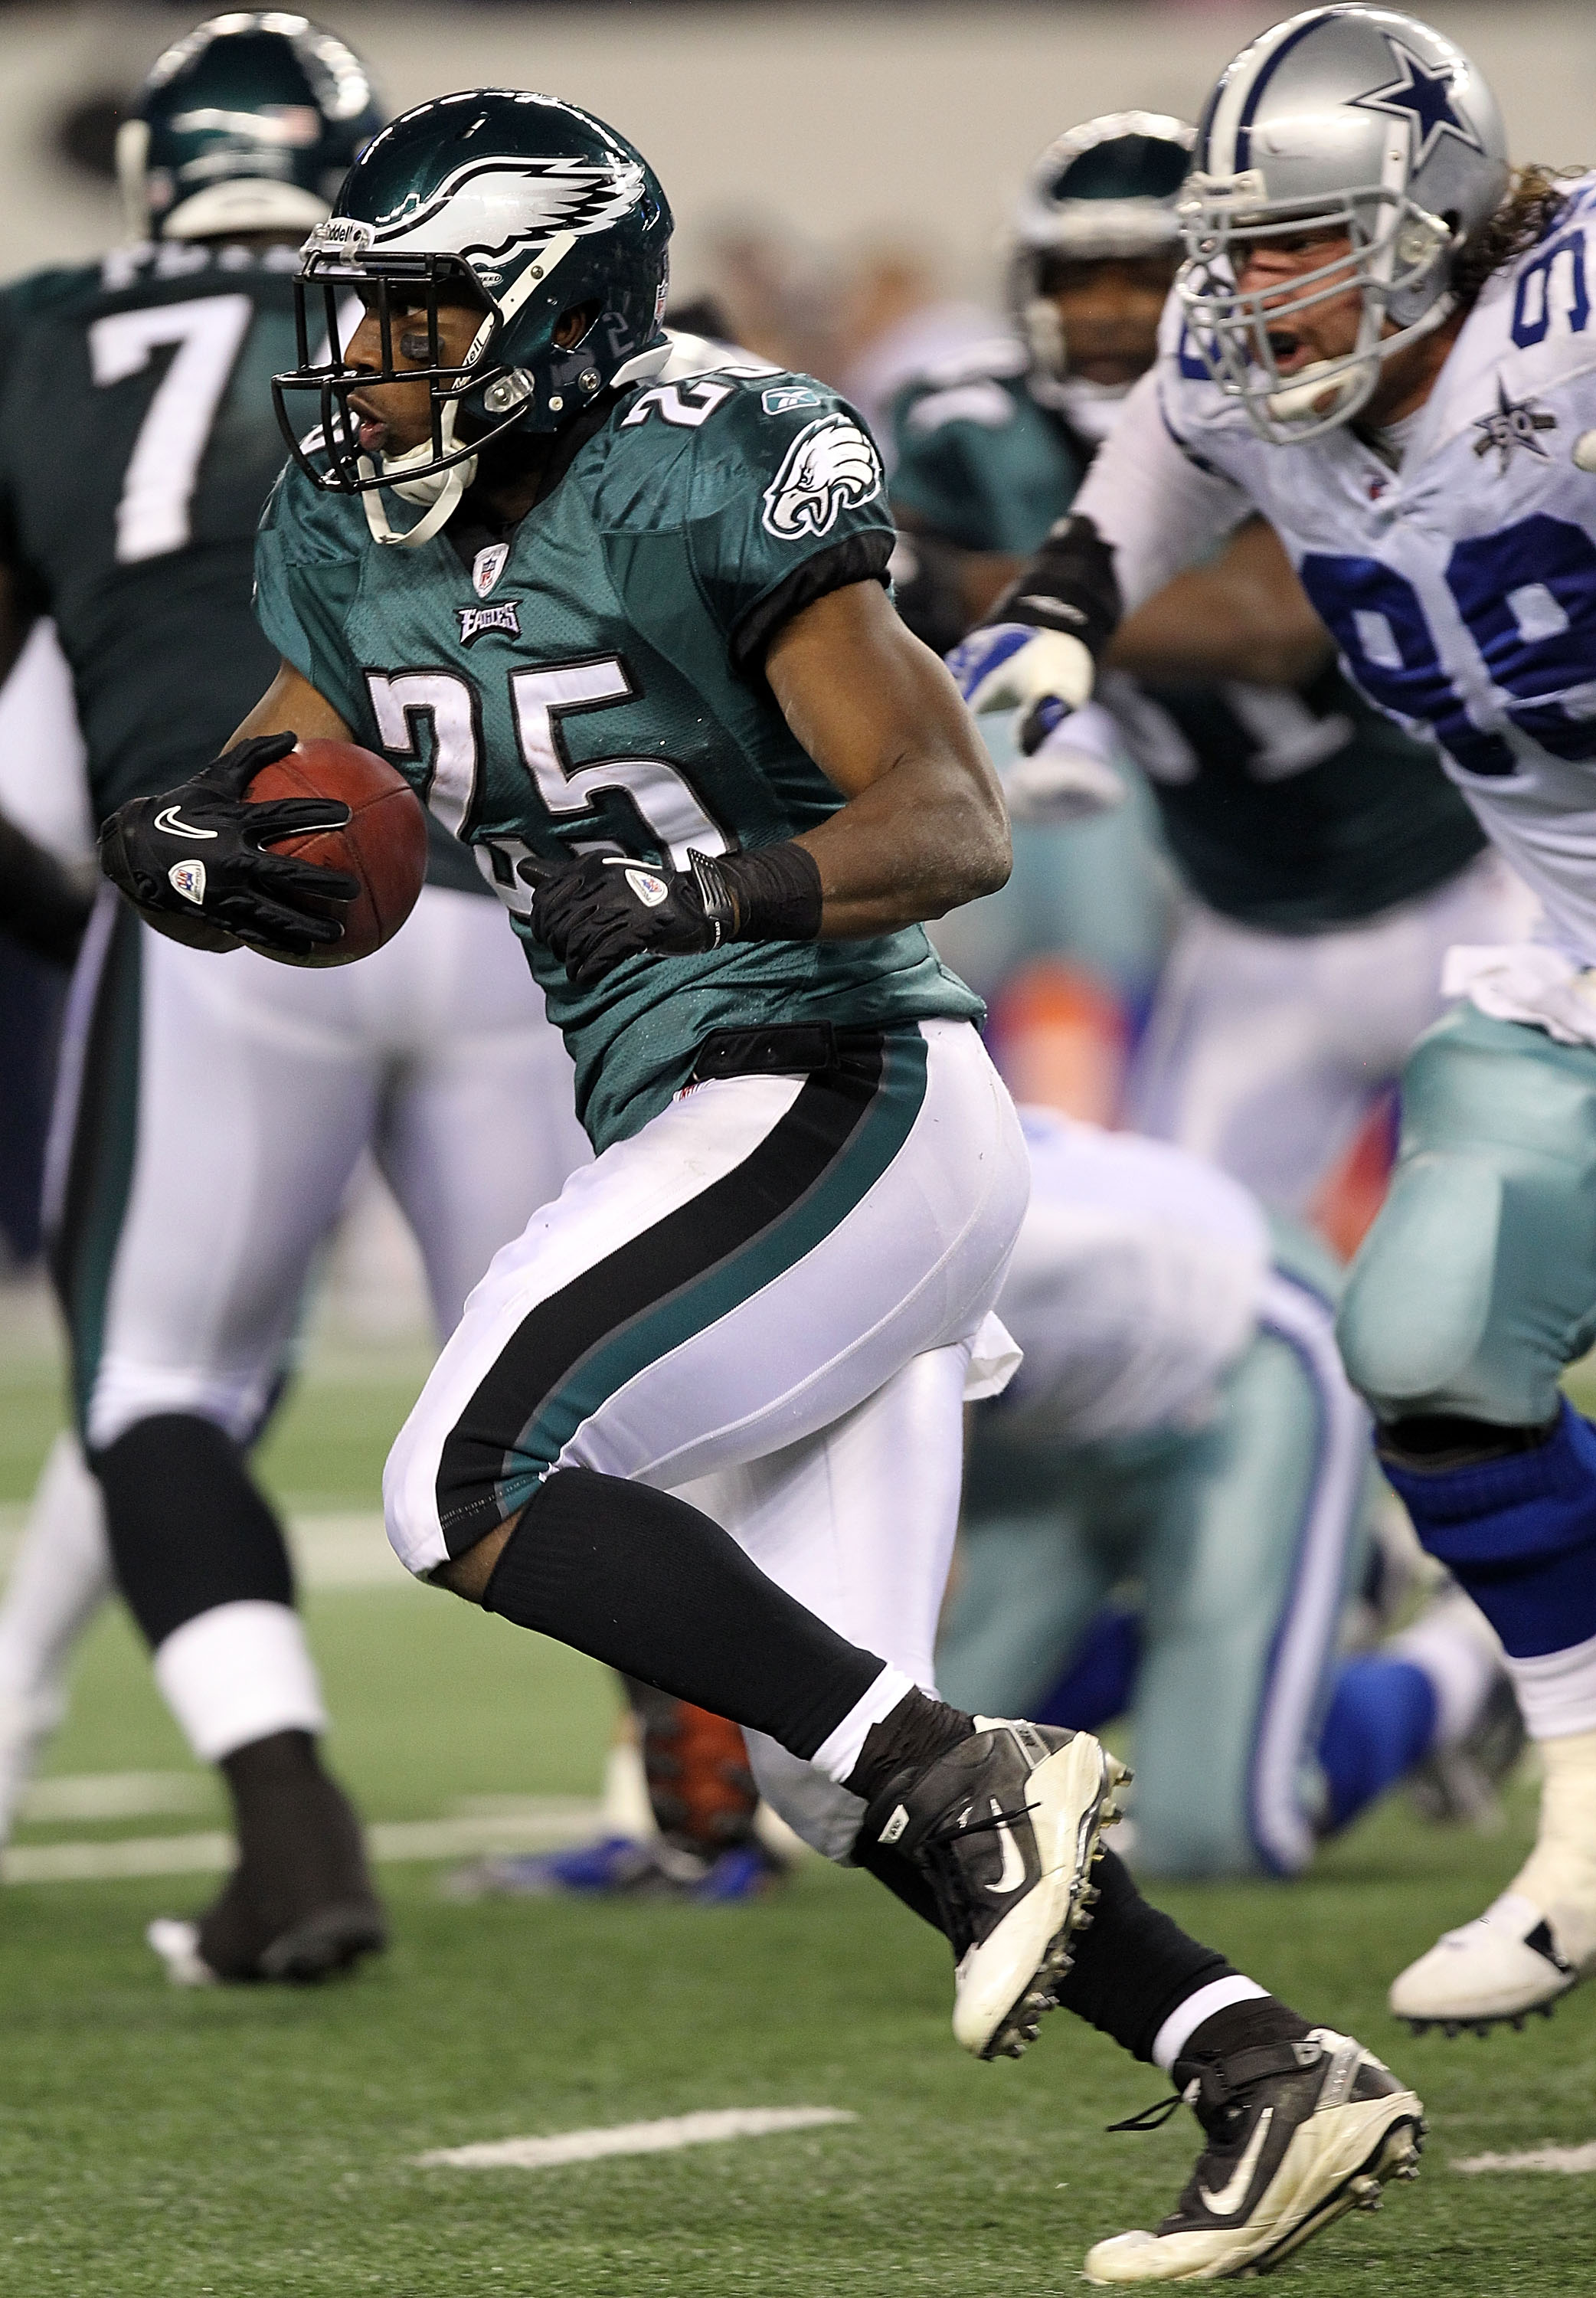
x,y
1005,1829
177,1944
1539,1938
1297,2134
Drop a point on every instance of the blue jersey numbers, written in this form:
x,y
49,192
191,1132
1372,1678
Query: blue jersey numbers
x,y
1528,596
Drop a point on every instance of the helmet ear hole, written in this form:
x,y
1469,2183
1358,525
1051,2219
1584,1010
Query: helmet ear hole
x,y
574,325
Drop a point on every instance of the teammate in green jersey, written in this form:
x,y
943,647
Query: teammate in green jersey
x,y
1327,861
210,1117
636,647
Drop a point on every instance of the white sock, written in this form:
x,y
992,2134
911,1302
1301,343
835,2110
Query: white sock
x,y
59,1578
840,1751
1556,1692
1186,2017
237,1673
1453,1645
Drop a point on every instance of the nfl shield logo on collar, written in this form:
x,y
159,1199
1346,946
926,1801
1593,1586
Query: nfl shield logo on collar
x,y
487,566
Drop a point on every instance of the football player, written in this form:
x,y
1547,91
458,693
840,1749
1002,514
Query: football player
x,y
210,1117
718,784
1381,338
1163,1512
1326,861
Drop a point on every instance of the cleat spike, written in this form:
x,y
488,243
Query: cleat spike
x,y
1451,2029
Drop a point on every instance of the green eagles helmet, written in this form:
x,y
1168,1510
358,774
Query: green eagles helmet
x,y
537,209
248,124
1105,189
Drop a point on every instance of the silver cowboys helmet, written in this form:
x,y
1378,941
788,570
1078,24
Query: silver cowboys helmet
x,y
1106,189
1350,122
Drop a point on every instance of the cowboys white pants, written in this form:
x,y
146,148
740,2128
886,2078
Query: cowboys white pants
x,y
212,1109
1265,1051
782,1284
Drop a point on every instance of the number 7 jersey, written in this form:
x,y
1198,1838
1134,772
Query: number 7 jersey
x,y
591,679
136,446
1460,587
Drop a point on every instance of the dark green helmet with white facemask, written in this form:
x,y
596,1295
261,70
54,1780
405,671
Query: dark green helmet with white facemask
x,y
522,202
248,123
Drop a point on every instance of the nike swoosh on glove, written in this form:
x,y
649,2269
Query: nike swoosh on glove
x,y
595,911
192,862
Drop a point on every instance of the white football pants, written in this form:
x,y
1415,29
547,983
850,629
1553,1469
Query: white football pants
x,y
778,1294
211,1112
1265,1051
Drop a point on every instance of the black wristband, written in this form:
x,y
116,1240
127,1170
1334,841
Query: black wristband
x,y
1070,586
771,895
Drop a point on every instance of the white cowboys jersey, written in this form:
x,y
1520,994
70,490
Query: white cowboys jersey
x,y
1462,589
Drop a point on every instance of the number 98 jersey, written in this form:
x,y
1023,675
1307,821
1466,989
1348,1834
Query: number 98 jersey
x,y
1461,586
591,680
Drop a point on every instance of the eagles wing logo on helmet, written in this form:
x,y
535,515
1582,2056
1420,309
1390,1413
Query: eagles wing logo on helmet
x,y
829,467
489,206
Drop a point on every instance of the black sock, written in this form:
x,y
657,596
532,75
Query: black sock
x,y
916,1732
903,1879
1135,1965
187,1529
657,1590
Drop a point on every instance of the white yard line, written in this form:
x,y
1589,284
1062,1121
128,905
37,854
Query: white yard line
x,y
537,1824
705,2129
339,1548
1569,2160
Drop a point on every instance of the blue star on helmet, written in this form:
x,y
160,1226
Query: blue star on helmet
x,y
1422,96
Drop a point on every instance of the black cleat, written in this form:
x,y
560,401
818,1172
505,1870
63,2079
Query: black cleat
x,y
1297,2134
1005,1828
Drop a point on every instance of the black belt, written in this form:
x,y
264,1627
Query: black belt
x,y
782,1049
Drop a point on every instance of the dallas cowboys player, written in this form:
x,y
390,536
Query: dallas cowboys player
x,y
1163,1511
1383,340
718,783
210,1117
1326,861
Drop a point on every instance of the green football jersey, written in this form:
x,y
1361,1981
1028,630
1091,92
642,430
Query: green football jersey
x,y
137,444
979,461
591,679
1292,809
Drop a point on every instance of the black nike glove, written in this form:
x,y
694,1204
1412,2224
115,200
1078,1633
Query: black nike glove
x,y
603,908
191,861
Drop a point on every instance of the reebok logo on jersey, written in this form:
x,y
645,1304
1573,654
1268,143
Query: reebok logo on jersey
x,y
786,396
830,467
188,879
504,615
1514,424
487,566
170,820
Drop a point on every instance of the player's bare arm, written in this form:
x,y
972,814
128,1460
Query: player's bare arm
x,y
1244,615
925,828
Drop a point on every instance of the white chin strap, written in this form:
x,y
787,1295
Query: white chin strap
x,y
440,490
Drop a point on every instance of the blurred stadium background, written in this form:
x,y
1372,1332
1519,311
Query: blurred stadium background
x,y
841,175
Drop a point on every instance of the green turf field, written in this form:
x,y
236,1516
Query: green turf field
x,y
261,2144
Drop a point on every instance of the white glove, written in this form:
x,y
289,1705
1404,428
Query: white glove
x,y
1012,666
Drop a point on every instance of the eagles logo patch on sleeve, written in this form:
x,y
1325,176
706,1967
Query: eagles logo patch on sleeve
x,y
831,467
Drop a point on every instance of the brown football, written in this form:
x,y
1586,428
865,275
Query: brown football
x,y
384,844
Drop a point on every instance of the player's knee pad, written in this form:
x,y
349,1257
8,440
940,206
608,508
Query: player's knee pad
x,y
1418,1301
188,1530
1477,1282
